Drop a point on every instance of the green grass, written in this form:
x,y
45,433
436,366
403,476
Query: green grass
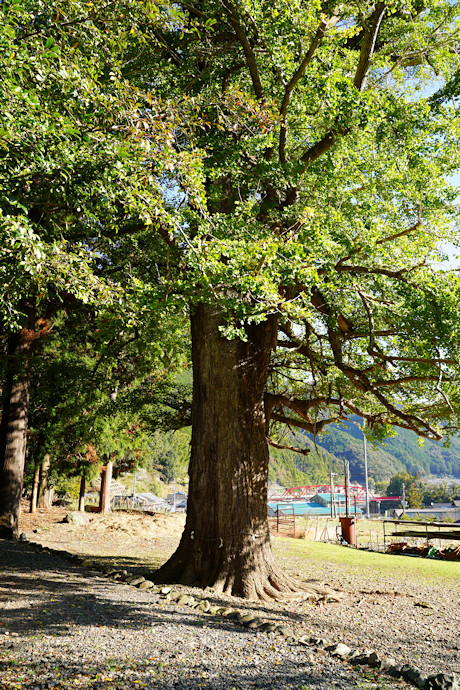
x,y
436,573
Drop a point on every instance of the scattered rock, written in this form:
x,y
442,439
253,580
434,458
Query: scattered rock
x,y
165,590
225,611
134,581
204,606
395,670
339,649
146,584
76,518
373,659
359,659
319,642
282,630
255,624
23,537
268,627
173,596
248,618
413,675
442,681
386,664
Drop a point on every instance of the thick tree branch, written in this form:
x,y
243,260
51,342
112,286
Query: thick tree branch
x,y
295,80
281,446
371,30
312,428
247,48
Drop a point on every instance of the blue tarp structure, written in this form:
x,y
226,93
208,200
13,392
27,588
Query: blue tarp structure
x,y
304,508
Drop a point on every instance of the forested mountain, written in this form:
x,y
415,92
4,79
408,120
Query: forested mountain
x,y
345,442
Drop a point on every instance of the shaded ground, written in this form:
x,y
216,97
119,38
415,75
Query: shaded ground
x,y
64,627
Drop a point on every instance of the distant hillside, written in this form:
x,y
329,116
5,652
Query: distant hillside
x,y
345,442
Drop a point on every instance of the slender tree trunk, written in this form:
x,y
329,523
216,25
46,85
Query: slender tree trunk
x,y
13,430
34,499
106,480
45,492
226,540
81,498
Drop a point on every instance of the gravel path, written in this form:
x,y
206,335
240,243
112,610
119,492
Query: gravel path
x,y
415,624
64,626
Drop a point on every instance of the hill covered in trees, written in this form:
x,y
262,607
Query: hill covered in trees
x,y
345,442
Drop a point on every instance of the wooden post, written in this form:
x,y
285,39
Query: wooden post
x,y
278,518
106,479
33,500
293,515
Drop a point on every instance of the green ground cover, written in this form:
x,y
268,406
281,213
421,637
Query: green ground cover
x,y
434,572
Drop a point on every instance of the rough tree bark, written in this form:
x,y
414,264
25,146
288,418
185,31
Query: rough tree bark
x,y
106,480
13,427
226,540
45,492
81,497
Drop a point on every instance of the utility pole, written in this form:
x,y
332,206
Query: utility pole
x,y
333,510
346,470
366,480
403,502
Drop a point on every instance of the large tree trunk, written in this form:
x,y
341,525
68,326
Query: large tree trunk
x,y
226,540
13,430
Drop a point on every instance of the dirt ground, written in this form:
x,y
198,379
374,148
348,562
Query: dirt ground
x,y
409,620
116,536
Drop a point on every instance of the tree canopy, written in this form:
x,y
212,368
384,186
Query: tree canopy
x,y
325,198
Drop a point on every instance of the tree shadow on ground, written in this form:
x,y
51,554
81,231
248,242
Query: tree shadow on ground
x,y
166,670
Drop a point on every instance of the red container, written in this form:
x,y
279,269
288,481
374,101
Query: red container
x,y
348,525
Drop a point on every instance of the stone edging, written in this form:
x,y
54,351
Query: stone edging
x,y
355,657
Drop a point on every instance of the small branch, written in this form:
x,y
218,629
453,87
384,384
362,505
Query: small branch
x,y
418,360
389,238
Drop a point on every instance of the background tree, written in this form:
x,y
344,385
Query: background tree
x,y
395,486
100,390
414,497
74,137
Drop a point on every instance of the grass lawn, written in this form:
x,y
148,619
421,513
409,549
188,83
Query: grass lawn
x,y
434,572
